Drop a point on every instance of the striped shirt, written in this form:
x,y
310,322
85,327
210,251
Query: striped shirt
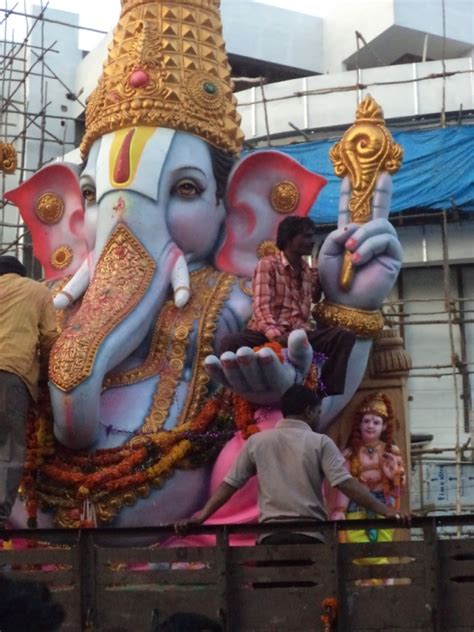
x,y
281,297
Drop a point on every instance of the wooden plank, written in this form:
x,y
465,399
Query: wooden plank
x,y
457,606
175,577
414,570
244,574
459,568
457,583
136,607
37,556
316,553
278,609
134,555
380,549
52,578
71,604
375,608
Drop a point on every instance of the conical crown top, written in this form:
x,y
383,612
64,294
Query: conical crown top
x,y
167,67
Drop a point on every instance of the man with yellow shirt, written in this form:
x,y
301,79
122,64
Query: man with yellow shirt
x,y
27,333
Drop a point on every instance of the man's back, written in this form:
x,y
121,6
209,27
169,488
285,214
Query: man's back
x,y
291,463
27,325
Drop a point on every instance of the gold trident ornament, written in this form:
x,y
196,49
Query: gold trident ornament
x,y
365,151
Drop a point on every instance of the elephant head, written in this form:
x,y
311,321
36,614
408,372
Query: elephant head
x,y
159,211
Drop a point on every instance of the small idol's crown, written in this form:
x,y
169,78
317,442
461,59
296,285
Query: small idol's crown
x,y
376,405
167,66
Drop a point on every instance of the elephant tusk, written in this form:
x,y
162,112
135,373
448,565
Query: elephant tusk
x,y
181,296
180,282
75,288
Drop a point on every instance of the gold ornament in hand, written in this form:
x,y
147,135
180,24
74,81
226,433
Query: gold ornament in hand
x,y
365,151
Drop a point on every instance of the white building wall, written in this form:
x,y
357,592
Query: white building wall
x,y
434,406
369,17
406,90
427,16
277,35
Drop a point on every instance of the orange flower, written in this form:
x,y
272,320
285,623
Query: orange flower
x,y
275,347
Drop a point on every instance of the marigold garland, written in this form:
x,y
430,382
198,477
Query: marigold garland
x,y
108,470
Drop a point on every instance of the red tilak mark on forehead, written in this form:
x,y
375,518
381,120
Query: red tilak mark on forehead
x,y
122,164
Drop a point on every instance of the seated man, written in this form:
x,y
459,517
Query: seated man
x,y
284,285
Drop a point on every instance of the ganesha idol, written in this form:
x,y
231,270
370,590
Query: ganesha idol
x,y
149,251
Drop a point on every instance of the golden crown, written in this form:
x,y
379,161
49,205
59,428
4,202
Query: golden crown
x,y
375,404
167,66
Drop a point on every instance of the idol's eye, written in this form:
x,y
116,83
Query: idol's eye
x,y
88,193
187,188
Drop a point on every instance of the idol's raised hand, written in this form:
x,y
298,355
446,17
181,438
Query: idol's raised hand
x,y
376,253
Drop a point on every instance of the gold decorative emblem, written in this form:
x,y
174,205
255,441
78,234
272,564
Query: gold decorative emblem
x,y
362,322
8,158
204,90
285,197
267,248
366,150
123,274
49,208
167,67
61,257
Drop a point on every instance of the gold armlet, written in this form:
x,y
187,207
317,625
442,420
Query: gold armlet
x,y
362,322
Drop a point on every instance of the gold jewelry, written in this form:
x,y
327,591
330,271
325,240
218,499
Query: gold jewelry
x,y
362,322
8,158
246,290
365,151
167,67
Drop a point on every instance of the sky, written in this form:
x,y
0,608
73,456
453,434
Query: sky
x,y
103,14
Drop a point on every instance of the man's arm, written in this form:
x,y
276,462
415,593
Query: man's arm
x,y
238,475
361,495
263,296
220,496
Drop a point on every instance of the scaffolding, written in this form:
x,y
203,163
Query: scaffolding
x,y
29,77
33,129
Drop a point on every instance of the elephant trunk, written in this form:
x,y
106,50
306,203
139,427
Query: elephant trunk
x,y
118,309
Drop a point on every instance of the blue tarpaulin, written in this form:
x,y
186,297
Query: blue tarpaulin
x,y
437,171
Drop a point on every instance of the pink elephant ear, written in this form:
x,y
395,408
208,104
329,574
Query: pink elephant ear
x,y
264,188
50,203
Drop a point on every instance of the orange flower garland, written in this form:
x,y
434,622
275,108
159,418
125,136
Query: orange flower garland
x,y
115,465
